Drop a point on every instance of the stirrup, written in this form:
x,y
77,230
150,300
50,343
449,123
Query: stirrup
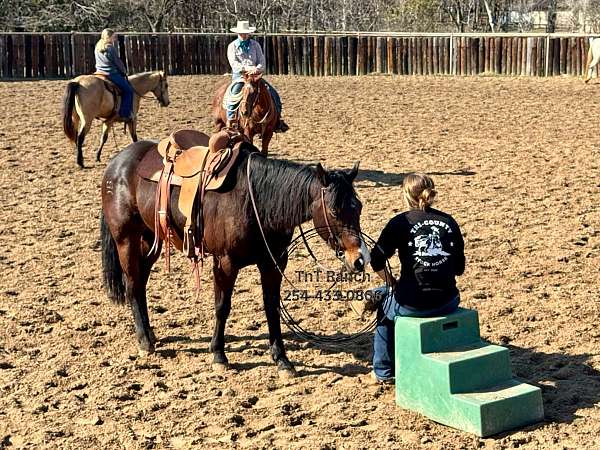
x,y
232,124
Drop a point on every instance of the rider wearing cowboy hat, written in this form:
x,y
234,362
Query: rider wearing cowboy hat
x,y
246,55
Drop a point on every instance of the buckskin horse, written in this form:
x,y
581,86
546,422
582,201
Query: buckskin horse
x,y
261,197
256,112
88,97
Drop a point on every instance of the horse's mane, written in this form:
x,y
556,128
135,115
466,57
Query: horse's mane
x,y
143,74
283,190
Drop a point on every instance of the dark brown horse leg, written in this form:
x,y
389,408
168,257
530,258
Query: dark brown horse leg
x,y
224,276
103,139
147,263
79,147
132,125
266,139
136,273
271,284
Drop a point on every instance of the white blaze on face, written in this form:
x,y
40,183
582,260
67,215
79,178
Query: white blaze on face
x,y
361,254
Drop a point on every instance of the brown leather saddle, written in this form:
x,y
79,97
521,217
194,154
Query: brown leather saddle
x,y
189,159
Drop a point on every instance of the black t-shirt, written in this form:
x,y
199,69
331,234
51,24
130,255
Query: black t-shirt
x,y
431,251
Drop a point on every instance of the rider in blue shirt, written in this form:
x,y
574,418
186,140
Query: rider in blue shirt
x,y
109,63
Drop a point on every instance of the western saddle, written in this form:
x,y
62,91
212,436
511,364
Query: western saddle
x,y
195,163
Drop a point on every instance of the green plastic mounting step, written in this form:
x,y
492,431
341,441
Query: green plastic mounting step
x,y
447,373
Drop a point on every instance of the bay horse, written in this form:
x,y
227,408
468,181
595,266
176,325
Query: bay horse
x,y
257,114
87,97
285,194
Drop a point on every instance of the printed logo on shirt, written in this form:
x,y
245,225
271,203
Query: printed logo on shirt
x,y
427,242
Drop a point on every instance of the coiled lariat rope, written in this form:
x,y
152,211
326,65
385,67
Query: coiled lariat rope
x,y
233,99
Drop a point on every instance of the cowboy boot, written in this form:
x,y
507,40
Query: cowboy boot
x,y
282,127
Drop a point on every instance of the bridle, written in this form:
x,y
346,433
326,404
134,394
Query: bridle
x,y
332,239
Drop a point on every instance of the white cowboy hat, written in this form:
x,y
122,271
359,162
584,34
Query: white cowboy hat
x,y
243,27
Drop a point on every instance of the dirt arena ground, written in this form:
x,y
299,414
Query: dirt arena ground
x,y
516,161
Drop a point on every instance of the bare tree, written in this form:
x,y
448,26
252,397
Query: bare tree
x,y
156,12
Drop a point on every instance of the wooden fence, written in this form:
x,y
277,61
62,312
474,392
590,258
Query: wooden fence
x,y
64,55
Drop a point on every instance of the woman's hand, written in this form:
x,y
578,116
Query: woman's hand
x,y
387,276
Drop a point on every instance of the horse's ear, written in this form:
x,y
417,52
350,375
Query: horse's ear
x,y
351,174
322,175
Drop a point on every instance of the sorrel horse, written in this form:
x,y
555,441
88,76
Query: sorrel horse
x,y
286,194
86,97
257,114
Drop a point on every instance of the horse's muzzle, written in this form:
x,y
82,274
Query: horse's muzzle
x,y
359,265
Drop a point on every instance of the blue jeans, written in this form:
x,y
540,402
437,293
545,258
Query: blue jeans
x,y
383,341
237,87
126,94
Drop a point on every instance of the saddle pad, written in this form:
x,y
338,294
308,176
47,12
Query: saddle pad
x,y
152,165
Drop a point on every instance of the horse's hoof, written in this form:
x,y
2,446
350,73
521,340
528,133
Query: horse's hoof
x,y
143,353
287,374
152,336
146,348
219,367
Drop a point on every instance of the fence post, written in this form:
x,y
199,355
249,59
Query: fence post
x,y
452,65
547,54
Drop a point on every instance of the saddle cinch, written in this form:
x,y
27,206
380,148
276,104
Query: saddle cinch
x,y
189,159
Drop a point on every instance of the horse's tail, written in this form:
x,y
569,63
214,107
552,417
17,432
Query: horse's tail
x,y
68,103
112,272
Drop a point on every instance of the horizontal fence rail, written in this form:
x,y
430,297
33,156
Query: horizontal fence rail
x,y
65,55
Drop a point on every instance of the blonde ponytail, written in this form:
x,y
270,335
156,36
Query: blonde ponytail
x,y
418,190
104,41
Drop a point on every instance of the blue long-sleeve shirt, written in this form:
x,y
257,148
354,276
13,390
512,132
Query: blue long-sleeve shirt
x,y
109,61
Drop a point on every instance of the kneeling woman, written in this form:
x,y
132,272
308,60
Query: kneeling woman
x,y
431,251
